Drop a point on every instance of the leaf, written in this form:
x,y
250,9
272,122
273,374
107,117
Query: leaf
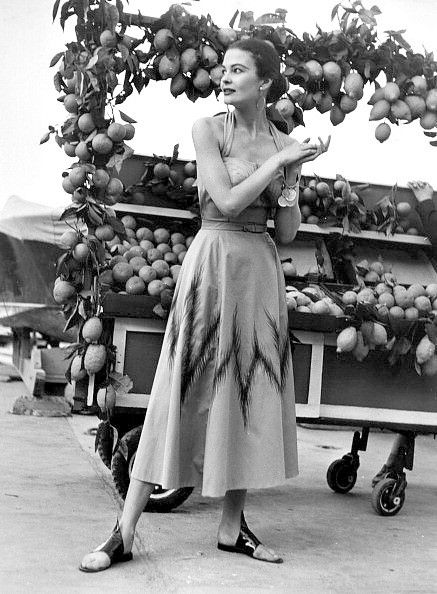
x,y
68,213
94,216
117,159
345,224
233,19
61,264
433,143
127,118
122,448
124,51
139,82
57,81
430,134
117,225
91,135
74,319
431,331
367,69
375,10
335,11
45,138
65,13
55,9
175,152
93,61
56,58
115,440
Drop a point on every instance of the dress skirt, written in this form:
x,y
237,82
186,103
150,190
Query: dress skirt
x,y
221,413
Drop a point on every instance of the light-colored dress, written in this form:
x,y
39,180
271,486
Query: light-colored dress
x,y
222,413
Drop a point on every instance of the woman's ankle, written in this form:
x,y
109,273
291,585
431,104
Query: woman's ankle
x,y
128,534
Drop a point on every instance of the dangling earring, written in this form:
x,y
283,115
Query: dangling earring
x,y
262,98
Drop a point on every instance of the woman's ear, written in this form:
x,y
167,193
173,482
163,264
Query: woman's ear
x,y
266,84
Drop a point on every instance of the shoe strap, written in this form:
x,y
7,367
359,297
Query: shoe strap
x,y
247,537
113,547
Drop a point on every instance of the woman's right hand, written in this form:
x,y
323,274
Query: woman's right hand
x,y
301,152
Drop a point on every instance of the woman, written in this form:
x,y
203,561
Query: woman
x,y
221,413
403,444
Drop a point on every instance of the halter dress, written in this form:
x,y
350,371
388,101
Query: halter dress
x,y
221,414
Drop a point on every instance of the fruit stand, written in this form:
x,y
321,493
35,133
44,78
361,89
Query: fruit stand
x,y
361,284
331,387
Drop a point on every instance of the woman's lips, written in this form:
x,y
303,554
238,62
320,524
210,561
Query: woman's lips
x,y
228,91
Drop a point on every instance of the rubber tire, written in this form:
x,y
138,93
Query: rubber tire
x,y
162,500
103,456
104,449
379,498
341,476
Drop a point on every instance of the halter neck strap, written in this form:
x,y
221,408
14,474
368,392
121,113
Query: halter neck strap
x,y
228,134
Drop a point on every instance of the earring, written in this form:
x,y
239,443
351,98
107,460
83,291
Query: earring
x,y
262,99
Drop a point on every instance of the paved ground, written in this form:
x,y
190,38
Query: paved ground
x,y
57,502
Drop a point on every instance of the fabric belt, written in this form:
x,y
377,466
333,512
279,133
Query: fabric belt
x,y
230,226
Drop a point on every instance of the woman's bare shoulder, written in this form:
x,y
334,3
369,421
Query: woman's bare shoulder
x,y
209,125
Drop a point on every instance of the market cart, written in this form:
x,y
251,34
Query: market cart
x,y
330,389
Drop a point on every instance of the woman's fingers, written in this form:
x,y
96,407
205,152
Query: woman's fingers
x,y
325,145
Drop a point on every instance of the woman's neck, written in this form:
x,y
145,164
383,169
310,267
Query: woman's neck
x,y
253,121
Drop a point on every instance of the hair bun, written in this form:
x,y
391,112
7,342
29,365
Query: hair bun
x,y
278,87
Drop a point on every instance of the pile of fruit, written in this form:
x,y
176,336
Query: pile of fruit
x,y
339,204
399,320
164,177
417,348
406,101
312,299
146,262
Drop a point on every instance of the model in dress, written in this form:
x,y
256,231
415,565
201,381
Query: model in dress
x,y
221,412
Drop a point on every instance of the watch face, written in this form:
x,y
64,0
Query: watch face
x,y
287,197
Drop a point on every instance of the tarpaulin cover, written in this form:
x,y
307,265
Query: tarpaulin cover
x,y
29,249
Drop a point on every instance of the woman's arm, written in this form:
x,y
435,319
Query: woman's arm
x,y
232,200
288,219
423,192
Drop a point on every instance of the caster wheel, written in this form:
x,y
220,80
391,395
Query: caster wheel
x,y
383,500
341,476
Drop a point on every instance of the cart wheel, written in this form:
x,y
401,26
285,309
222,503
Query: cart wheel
x,y
341,476
161,500
384,502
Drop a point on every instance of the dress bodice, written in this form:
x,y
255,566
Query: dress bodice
x,y
238,170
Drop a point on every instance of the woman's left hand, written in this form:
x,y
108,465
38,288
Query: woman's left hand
x,y
321,148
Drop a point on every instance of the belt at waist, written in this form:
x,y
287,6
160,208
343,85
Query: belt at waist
x,y
230,226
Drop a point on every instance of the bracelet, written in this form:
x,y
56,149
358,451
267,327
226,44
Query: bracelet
x,y
288,195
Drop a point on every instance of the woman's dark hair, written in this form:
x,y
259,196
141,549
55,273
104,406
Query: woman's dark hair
x,y
267,64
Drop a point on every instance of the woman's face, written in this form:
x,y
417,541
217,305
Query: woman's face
x,y
240,82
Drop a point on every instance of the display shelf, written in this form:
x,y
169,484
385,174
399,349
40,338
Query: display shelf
x,y
305,229
400,238
174,213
